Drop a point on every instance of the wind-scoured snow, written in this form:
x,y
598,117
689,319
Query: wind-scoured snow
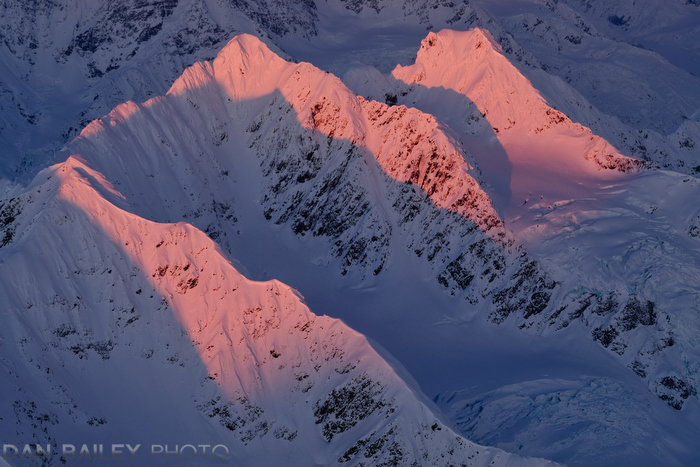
x,y
583,420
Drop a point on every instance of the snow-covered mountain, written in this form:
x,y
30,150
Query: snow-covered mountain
x,y
550,177
498,238
66,63
116,327
102,301
264,156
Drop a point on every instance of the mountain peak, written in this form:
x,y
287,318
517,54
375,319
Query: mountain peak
x,y
471,63
494,100
457,45
247,52
255,369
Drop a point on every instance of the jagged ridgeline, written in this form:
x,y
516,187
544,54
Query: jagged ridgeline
x,y
368,180
361,175
149,316
174,344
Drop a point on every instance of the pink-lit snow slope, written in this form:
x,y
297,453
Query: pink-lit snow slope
x,y
408,145
284,386
531,155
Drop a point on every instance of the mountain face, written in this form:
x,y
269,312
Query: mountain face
x,y
519,142
516,250
66,63
522,116
364,176
152,315
145,316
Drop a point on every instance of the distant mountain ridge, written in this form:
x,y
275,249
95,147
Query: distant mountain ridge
x,y
91,56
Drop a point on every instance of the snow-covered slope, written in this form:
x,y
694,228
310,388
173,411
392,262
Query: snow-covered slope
x,y
669,28
115,327
409,226
586,420
298,178
489,97
550,178
633,61
362,177
65,63
567,37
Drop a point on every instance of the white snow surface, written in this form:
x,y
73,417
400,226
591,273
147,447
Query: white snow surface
x,y
118,328
299,179
66,63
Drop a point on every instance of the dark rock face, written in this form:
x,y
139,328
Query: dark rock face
x,y
636,313
9,210
312,188
674,391
139,21
281,17
317,186
346,406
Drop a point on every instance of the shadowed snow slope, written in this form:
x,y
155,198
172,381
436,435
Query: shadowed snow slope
x,y
115,327
606,229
